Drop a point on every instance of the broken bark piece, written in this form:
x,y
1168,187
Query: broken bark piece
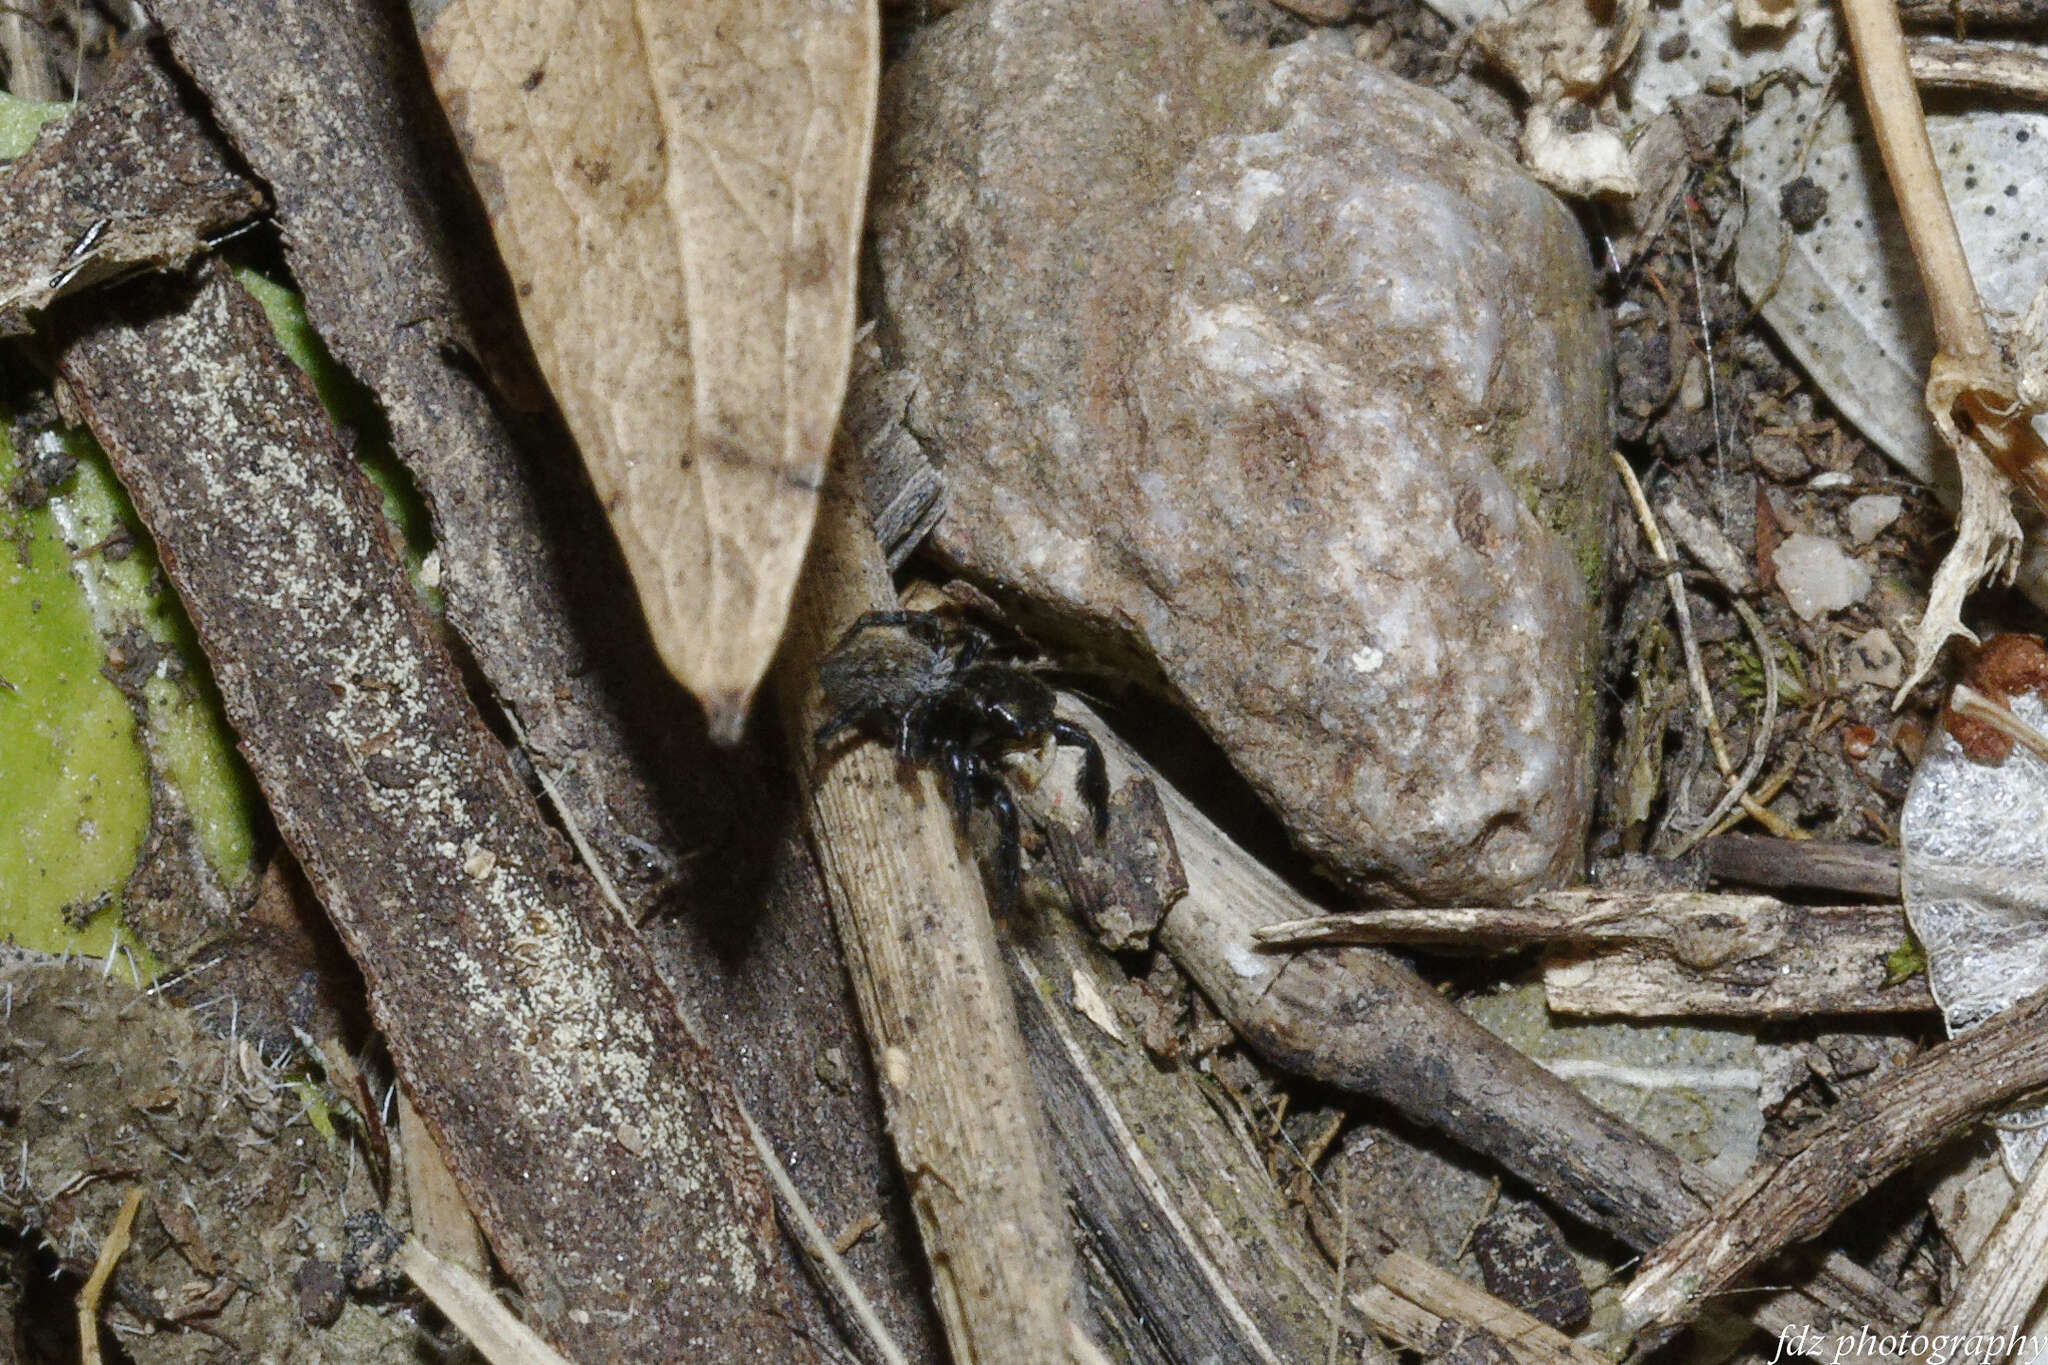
x,y
677,193
1866,1138
1666,954
1121,886
591,1133
328,106
1524,1260
134,178
915,930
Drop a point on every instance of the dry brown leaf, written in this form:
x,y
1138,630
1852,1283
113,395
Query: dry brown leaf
x,y
677,193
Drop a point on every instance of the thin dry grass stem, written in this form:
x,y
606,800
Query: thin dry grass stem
x,y
1960,329
103,1270
1739,791
1343,1266
1695,671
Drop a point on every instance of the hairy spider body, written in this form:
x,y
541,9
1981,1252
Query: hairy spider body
x,y
936,691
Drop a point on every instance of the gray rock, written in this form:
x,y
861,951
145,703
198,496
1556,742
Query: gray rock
x,y
1265,366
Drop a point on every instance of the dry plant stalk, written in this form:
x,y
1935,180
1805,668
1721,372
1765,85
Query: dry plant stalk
x,y
1924,1104
1989,67
933,993
103,1270
1972,388
1999,1286
474,1310
598,1143
440,1215
677,192
1738,784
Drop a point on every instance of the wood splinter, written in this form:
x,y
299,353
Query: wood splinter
x,y
1663,955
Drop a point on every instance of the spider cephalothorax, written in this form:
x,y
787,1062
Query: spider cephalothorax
x,y
929,686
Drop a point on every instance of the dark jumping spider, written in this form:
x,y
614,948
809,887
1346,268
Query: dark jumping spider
x,y
929,686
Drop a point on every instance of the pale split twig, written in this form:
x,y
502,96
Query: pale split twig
x,y
468,1303
103,1270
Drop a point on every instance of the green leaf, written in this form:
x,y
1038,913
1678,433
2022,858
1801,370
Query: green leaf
x,y
74,786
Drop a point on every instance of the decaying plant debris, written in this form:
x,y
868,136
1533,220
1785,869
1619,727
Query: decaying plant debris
x,y
583,1023
573,1072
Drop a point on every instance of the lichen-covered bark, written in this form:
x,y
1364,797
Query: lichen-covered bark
x,y
601,1152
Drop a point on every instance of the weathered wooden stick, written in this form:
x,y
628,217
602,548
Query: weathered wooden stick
x,y
1667,954
1994,1301
328,102
1459,1304
914,923
1212,1265
1361,1021
596,1140
1926,1102
1822,865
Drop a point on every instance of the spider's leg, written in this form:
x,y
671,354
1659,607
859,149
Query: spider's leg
x,y
1094,773
961,768
912,743
973,643
1009,839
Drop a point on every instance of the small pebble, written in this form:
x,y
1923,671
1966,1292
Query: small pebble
x,y
1692,385
1869,515
1780,458
1833,478
1817,577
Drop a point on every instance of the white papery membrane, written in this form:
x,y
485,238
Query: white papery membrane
x,y
1973,864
